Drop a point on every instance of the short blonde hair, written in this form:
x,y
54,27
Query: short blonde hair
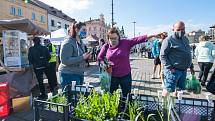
x,y
203,38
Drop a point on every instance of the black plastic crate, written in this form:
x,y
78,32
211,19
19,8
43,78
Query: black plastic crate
x,y
48,111
186,106
151,104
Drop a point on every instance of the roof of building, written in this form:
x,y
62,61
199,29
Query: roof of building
x,y
51,10
92,20
213,26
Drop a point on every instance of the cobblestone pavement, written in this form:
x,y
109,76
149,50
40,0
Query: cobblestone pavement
x,y
141,72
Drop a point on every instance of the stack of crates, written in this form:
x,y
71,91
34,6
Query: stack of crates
x,y
4,99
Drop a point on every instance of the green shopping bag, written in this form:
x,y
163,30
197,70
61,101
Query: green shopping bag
x,y
105,81
192,84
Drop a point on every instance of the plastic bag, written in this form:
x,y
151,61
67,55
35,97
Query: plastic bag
x,y
105,81
193,85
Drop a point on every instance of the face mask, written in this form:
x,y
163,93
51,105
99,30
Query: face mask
x,y
179,34
82,34
114,42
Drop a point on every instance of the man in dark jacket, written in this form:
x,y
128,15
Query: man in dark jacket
x,y
39,57
176,57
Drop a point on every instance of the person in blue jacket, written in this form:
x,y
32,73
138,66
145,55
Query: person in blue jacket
x,y
156,53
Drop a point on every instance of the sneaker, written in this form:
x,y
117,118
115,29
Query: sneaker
x,y
153,76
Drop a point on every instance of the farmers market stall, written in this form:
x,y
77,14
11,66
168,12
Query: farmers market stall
x,y
16,74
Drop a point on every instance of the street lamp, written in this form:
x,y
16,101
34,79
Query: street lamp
x,y
135,47
112,23
134,22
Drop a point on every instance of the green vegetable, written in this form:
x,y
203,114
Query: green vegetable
x,y
59,99
98,107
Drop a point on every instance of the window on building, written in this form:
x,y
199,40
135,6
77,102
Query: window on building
x,y
89,28
94,28
13,10
58,24
20,12
42,19
66,26
33,17
52,23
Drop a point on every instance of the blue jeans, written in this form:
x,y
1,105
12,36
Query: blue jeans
x,y
174,80
66,79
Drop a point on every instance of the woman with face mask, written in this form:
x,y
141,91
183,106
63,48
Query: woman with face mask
x,y
117,53
73,56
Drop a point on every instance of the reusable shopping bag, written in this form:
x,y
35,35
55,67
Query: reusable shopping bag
x,y
105,80
193,84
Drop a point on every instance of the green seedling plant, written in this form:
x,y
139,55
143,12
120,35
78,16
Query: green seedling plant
x,y
59,99
98,107
134,110
168,104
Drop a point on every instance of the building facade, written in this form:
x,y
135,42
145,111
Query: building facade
x,y
15,9
56,18
211,32
97,27
194,36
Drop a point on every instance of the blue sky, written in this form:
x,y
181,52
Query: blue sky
x,y
152,16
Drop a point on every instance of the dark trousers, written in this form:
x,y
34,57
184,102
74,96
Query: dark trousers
x,y
52,78
50,73
39,74
204,70
124,82
212,78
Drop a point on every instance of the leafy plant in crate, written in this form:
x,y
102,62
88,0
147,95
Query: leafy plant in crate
x,y
58,99
168,113
98,107
133,110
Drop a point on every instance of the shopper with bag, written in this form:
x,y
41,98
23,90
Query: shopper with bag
x,y
176,58
117,53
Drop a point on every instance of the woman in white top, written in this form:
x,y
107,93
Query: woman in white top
x,y
205,54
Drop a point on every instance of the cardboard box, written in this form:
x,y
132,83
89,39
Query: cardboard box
x,y
21,104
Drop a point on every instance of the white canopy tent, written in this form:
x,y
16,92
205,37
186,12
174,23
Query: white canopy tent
x,y
57,36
